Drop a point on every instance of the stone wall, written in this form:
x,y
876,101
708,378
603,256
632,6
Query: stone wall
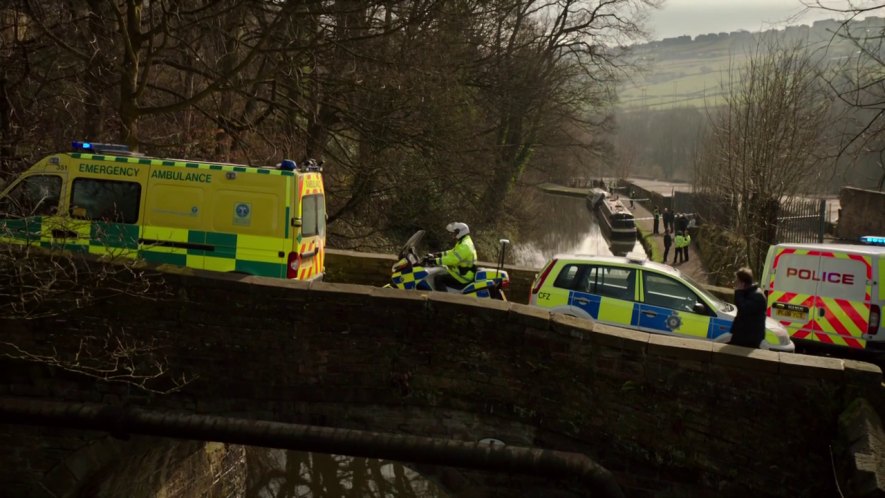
x,y
862,213
670,417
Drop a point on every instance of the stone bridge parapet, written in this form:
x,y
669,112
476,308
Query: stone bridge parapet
x,y
670,417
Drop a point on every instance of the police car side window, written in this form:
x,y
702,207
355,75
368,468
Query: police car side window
x,y
568,277
34,196
667,292
105,200
615,282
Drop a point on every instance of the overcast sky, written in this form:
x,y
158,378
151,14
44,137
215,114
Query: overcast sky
x,y
697,17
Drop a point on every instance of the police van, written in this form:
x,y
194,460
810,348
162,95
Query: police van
x,y
103,199
829,294
642,295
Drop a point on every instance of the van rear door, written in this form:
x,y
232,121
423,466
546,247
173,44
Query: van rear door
x,y
842,307
821,295
791,298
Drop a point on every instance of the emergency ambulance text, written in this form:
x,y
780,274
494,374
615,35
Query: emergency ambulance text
x,y
179,175
108,169
831,277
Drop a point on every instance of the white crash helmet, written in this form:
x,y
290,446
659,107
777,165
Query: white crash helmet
x,y
458,228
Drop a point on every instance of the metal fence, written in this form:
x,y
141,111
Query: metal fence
x,y
801,220
794,219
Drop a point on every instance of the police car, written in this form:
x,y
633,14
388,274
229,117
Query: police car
x,y
640,295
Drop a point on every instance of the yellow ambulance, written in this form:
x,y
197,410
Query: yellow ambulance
x,y
103,199
828,294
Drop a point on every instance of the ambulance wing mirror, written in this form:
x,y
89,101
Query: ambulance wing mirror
x,y
296,222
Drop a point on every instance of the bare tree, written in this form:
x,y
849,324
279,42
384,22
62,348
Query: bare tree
x,y
859,82
765,143
549,62
39,284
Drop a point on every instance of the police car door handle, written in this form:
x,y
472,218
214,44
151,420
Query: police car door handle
x,y
581,300
63,234
650,314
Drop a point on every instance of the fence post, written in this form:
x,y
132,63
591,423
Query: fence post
x,y
822,223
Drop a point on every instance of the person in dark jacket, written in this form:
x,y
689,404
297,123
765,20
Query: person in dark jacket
x,y
668,219
668,241
748,328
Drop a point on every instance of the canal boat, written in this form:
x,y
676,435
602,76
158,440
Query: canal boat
x,y
615,220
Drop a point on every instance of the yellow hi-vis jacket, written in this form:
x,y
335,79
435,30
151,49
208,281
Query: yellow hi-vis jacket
x,y
679,242
460,260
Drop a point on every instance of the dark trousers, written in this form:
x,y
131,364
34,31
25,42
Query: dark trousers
x,y
685,253
656,226
666,252
677,256
444,280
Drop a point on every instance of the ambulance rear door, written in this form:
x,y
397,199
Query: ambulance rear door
x,y
307,257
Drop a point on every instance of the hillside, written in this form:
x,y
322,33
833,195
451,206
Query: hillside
x,y
691,72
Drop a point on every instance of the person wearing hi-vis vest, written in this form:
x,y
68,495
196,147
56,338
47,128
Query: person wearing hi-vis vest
x,y
686,242
460,260
679,243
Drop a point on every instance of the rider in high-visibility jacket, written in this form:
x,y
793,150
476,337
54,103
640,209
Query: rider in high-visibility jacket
x,y
460,261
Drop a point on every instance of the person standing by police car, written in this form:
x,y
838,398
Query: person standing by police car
x,y
668,241
460,260
678,243
748,327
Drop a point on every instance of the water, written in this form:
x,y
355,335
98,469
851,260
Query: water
x,y
569,228
293,474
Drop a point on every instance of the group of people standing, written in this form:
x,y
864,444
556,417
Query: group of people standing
x,y
677,224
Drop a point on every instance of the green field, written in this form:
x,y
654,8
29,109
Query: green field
x,y
695,73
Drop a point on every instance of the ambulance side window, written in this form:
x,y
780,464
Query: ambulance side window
x,y
313,216
34,196
105,200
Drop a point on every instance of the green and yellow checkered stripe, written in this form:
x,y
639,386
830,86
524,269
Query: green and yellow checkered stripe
x,y
225,252
185,164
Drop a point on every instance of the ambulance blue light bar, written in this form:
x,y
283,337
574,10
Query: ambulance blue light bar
x,y
78,146
873,240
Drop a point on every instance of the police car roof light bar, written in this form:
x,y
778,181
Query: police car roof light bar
x,y
873,240
79,146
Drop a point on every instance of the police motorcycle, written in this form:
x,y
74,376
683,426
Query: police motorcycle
x,y
413,272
